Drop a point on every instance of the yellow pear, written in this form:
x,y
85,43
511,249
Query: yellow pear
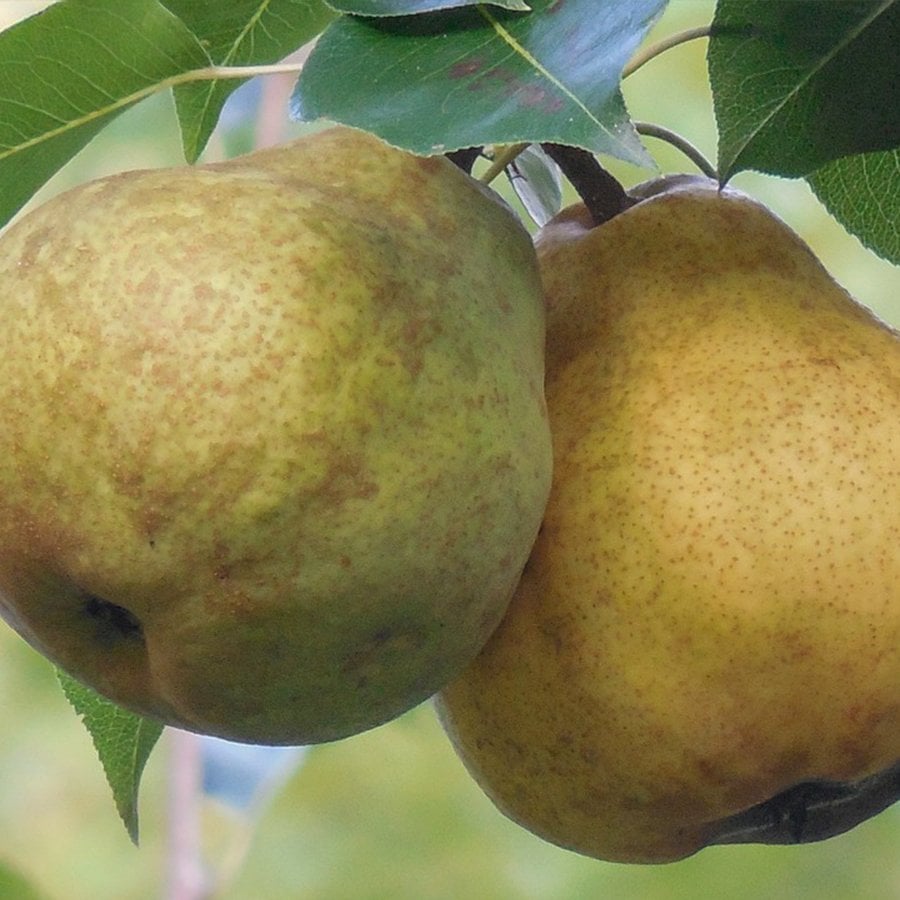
x,y
273,442
711,612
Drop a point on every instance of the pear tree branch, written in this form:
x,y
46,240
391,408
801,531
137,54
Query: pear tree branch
x,y
187,877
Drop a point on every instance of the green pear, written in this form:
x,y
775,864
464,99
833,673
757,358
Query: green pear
x,y
711,612
274,446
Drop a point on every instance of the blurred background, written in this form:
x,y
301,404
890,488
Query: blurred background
x,y
391,814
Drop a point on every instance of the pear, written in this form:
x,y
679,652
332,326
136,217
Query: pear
x,y
710,617
273,440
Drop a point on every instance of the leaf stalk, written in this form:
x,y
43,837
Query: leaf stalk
x,y
649,129
644,55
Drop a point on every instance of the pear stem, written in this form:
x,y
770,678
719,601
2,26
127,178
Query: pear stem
x,y
603,196
654,50
649,129
504,157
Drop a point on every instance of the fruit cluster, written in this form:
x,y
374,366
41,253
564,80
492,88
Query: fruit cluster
x,y
276,460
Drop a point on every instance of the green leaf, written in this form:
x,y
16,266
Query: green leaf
x,y
238,33
863,194
68,71
411,7
800,83
123,742
442,81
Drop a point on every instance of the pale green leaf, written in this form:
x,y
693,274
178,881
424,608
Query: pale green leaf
x,y
238,33
66,72
123,742
863,193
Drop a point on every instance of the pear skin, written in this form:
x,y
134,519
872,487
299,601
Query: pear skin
x,y
274,446
711,612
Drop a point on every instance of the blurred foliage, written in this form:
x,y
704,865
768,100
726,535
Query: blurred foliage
x,y
391,813
14,887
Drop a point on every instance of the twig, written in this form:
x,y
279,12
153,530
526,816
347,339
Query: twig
x,y
187,879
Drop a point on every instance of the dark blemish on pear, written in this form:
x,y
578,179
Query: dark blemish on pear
x,y
812,811
112,623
